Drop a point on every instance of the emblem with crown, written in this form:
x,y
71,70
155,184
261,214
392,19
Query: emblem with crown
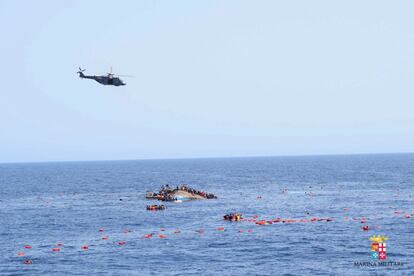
x,y
379,247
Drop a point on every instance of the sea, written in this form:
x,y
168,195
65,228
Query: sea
x,y
319,213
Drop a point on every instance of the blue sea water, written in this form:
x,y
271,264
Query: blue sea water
x,y
43,204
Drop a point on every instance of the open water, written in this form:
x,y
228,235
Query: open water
x,y
76,204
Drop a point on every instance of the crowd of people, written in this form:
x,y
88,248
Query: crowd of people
x,y
166,193
233,217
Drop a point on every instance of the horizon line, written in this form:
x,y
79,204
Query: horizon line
x,y
207,157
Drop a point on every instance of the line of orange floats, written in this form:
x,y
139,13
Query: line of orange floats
x,y
254,219
122,242
265,222
28,261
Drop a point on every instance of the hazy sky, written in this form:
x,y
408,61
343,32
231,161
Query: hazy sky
x,y
212,78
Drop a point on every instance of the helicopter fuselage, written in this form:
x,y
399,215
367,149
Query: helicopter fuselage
x,y
105,80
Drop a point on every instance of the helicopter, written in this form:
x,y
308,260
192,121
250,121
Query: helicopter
x,y
109,79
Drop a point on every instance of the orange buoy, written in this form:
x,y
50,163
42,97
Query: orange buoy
x,y
148,236
162,236
21,254
84,247
261,222
56,249
220,228
122,243
28,246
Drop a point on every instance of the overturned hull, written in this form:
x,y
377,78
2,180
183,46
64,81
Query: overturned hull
x,y
176,194
184,195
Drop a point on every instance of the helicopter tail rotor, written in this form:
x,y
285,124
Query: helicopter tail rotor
x,y
80,72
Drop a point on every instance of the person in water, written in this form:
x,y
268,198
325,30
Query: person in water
x,y
233,217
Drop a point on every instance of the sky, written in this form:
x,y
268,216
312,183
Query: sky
x,y
211,79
